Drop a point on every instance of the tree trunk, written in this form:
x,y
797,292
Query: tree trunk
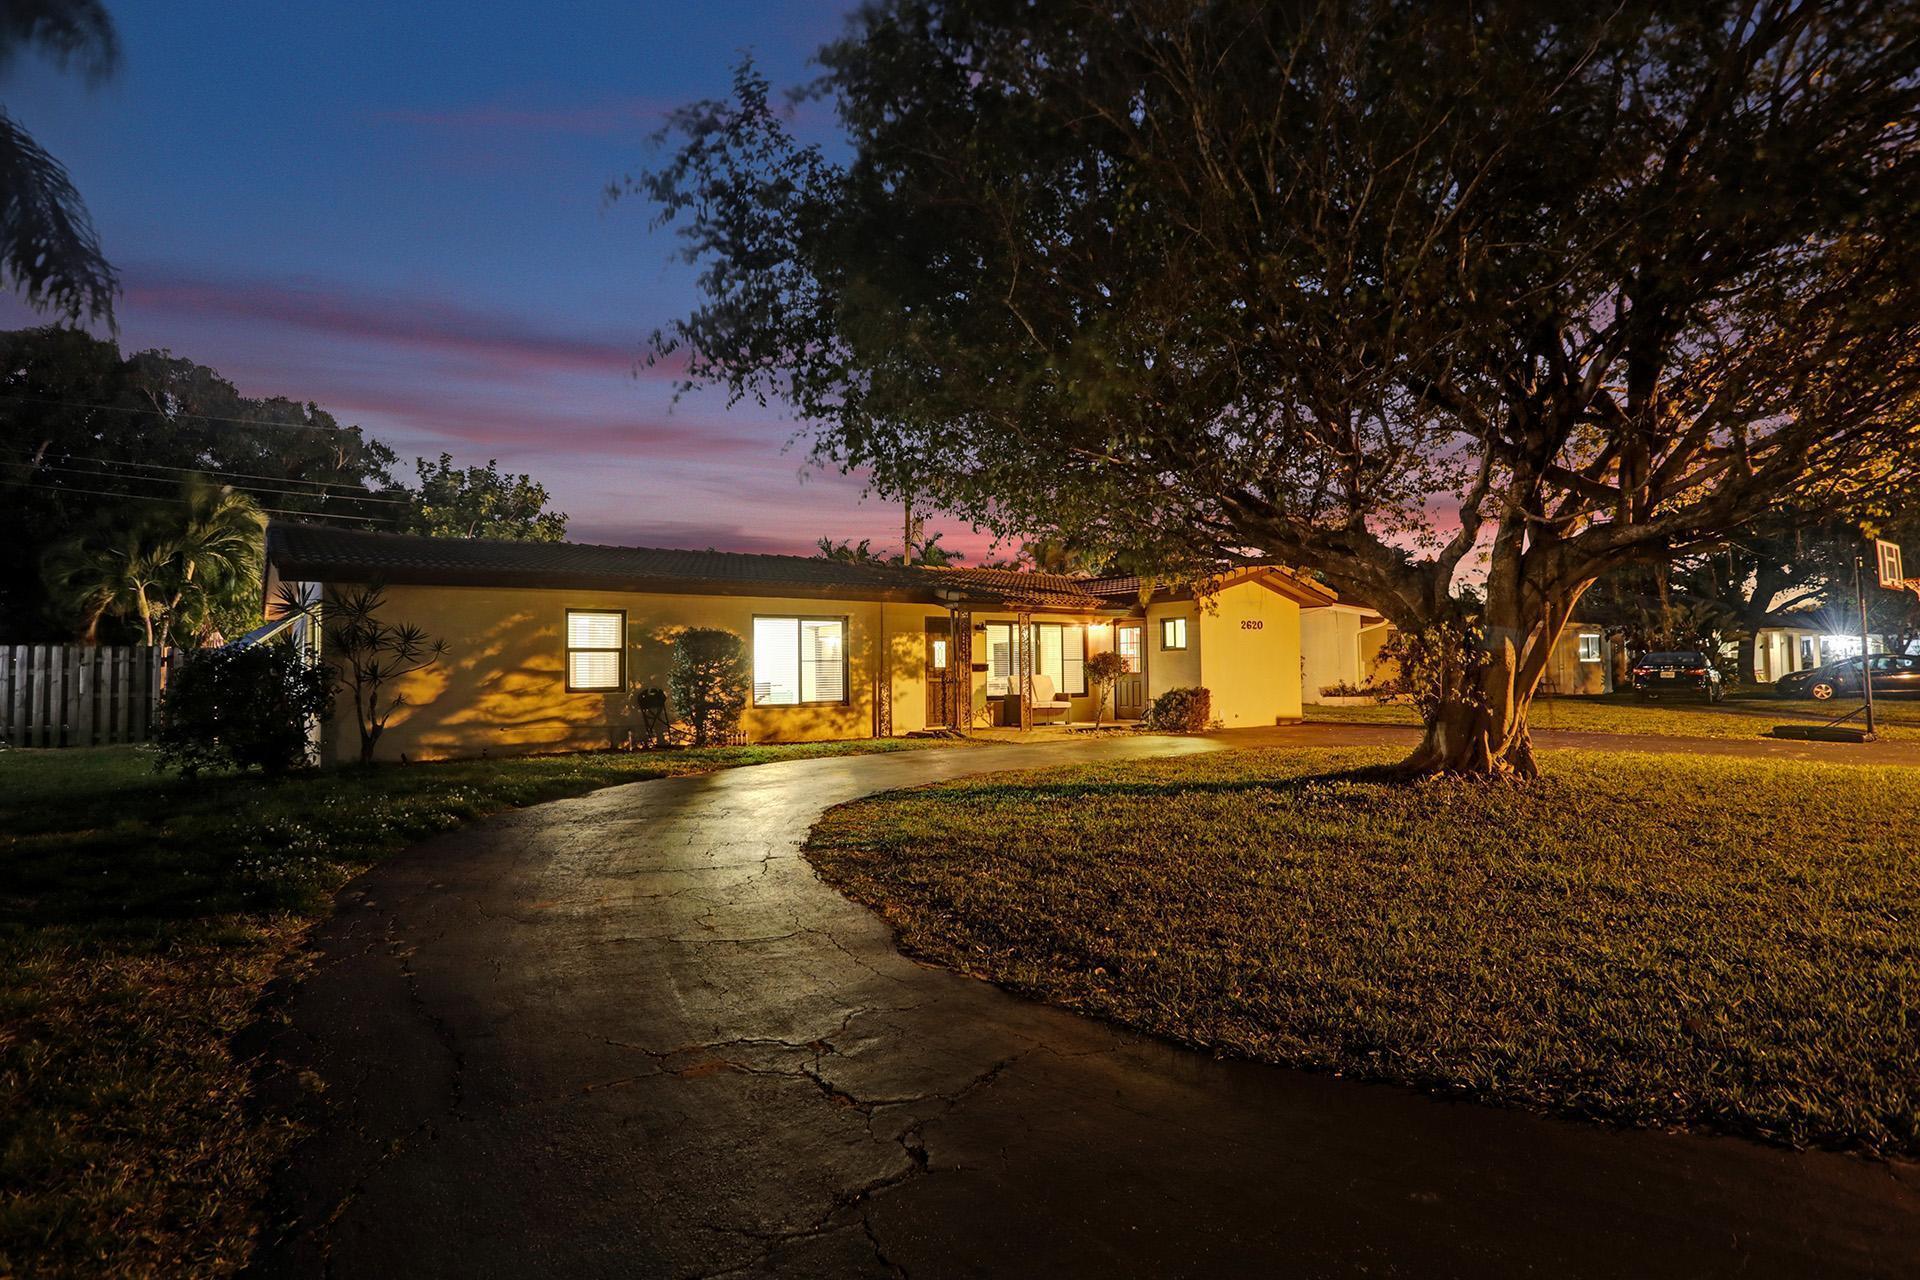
x,y
1479,728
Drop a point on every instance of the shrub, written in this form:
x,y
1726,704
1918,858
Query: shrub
x,y
1102,670
1186,710
234,708
709,682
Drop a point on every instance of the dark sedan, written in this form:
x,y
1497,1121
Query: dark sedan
x,y
1686,674
1893,674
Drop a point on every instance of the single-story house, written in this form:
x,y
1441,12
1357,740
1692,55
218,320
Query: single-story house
x,y
1581,664
547,640
1796,642
1339,647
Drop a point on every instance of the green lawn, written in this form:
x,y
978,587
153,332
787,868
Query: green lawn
x,y
140,919
1740,716
1651,940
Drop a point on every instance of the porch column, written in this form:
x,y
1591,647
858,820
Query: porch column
x,y
959,672
1023,646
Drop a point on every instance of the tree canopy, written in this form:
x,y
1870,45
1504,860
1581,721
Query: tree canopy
x,y
1419,297
481,502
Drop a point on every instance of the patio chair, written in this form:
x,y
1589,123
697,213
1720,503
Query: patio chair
x,y
1048,702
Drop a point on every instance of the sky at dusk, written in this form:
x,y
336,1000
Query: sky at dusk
x,y
396,211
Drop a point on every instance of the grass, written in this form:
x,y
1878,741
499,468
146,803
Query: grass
x,y
141,917
1647,940
1740,716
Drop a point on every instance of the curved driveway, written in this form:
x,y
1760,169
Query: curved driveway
x,y
632,1035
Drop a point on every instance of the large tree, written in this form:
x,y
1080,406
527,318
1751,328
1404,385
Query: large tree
x,y
481,502
48,249
1418,296
90,441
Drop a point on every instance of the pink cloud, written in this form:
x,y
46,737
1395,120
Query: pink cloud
x,y
495,339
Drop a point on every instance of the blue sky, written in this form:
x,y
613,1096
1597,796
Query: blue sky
x,y
396,211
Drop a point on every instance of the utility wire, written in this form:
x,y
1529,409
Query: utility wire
x,y
286,493
177,413
272,511
256,488
352,492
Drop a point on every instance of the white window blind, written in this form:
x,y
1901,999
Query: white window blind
x,y
823,660
999,659
798,660
1047,651
596,650
1073,659
1589,646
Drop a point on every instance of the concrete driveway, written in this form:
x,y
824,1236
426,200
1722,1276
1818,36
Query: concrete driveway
x,y
633,1035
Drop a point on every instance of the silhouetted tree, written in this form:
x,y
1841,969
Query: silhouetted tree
x,y
1408,294
482,502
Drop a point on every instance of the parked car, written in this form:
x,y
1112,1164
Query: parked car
x,y
1687,674
1893,674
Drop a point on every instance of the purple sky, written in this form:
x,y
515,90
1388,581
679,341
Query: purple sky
x,y
395,211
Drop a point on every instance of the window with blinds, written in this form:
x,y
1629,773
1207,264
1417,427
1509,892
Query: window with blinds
x,y
1059,652
596,650
999,659
799,660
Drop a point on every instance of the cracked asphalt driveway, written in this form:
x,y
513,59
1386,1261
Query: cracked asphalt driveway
x,y
631,1034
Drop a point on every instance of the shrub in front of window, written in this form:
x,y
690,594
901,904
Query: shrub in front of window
x,y
1102,670
234,708
709,681
1184,710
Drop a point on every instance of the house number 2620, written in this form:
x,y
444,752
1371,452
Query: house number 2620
x,y
1251,624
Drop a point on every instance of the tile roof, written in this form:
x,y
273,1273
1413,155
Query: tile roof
x,y
326,553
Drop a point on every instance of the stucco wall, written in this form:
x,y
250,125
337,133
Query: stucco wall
x,y
501,689
1172,668
1250,655
1567,674
1329,650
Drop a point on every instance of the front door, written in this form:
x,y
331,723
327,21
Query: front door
x,y
939,661
1130,690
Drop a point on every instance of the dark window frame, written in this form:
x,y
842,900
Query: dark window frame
x,y
1166,623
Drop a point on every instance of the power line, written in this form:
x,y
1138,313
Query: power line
x,y
178,413
285,493
208,471
352,492
159,497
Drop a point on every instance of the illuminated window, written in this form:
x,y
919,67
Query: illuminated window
x,y
1173,633
939,655
1589,646
999,659
1060,654
596,650
1126,643
799,660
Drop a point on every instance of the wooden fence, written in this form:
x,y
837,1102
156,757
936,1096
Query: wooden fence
x,y
71,695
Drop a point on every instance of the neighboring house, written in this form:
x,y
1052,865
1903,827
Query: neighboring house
x,y
1581,663
547,639
1339,646
1795,643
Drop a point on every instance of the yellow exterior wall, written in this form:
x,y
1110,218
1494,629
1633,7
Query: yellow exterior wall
x,y
1329,650
1250,656
501,689
1565,672
1172,668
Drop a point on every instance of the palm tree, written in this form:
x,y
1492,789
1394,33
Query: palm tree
x,y
171,569
95,577
48,249
214,546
